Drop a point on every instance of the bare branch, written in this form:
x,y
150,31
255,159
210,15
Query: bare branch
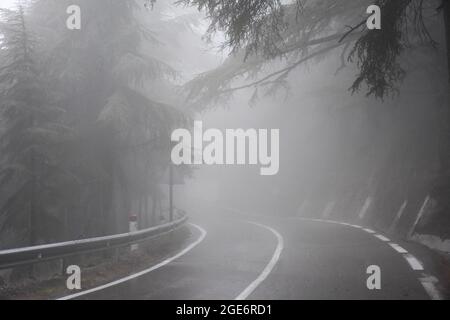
x,y
352,29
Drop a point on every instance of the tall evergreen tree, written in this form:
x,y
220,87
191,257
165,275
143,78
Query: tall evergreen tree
x,y
102,72
30,132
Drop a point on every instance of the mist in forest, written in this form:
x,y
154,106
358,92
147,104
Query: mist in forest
x,y
266,149
87,114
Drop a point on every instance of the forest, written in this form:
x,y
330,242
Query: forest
x,y
86,115
85,119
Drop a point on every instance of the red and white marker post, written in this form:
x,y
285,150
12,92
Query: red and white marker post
x,y
133,228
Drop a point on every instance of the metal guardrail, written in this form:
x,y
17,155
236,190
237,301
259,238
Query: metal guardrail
x,y
31,255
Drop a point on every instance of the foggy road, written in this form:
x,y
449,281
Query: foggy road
x,y
213,150
316,260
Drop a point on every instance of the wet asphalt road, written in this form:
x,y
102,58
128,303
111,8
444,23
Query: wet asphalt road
x,y
318,261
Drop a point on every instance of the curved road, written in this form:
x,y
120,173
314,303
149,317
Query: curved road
x,y
275,259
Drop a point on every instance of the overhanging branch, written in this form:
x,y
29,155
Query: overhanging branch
x,y
285,71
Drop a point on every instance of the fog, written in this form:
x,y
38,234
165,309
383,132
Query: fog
x,y
93,93
334,146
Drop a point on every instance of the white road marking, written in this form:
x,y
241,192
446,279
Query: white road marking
x,y
141,273
397,248
428,283
269,267
430,288
413,262
345,224
382,238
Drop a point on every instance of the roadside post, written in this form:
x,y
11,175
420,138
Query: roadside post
x,y
133,228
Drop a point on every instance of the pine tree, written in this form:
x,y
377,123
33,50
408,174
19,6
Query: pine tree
x,y
102,75
30,133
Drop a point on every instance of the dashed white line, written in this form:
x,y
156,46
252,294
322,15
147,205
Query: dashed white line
x,y
269,267
428,283
413,262
382,238
430,288
397,248
141,273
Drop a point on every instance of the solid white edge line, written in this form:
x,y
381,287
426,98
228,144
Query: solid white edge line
x,y
141,273
413,262
369,230
269,267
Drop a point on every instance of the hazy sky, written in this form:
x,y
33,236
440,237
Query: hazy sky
x,y
6,3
